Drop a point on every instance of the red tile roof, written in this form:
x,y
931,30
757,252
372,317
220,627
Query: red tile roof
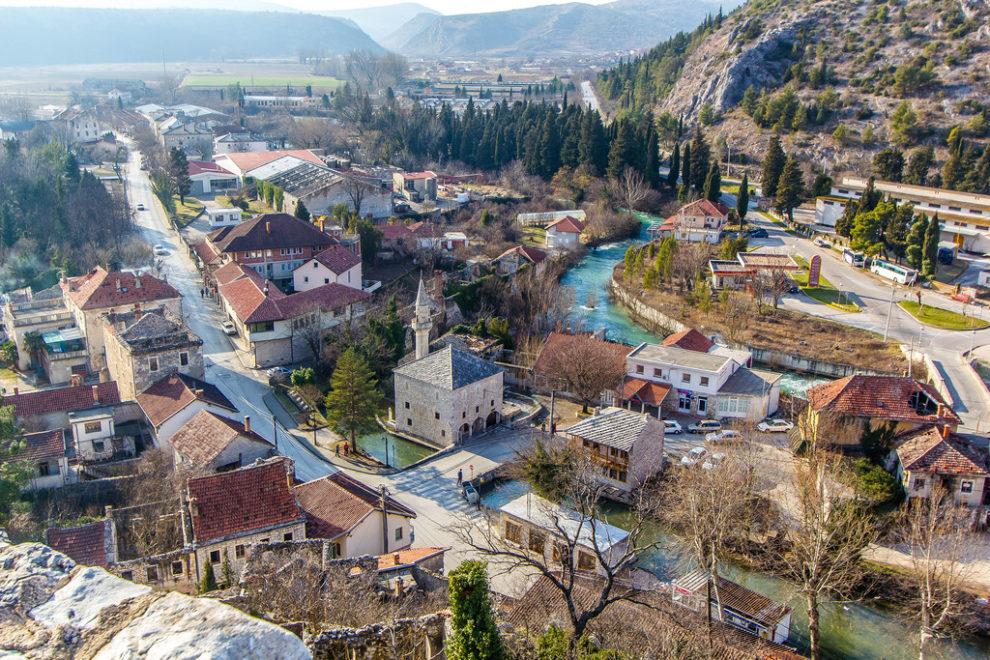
x,y
407,557
393,232
243,501
894,398
42,446
98,289
85,544
559,342
338,259
205,252
270,231
426,174
168,396
62,399
250,160
567,224
926,449
652,394
532,254
703,207
200,440
691,340
336,503
208,167
248,301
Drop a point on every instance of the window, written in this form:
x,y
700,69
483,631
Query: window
x,y
622,475
335,550
153,364
639,368
98,445
704,381
238,551
919,484
263,541
398,533
408,421
265,326
966,487
127,575
92,427
176,568
47,469
436,415
214,556
585,562
326,280
463,414
151,573
183,359
685,378
477,408
513,532
537,540
492,403
315,265
657,372
407,405
287,536
443,434
306,278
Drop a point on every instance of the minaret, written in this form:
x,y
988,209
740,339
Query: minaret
x,y
422,324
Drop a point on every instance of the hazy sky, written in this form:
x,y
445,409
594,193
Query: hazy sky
x,y
444,6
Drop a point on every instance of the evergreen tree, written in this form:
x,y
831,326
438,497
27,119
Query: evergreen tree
x,y
226,572
301,211
822,185
929,261
742,199
178,171
915,249
773,166
208,582
675,166
888,164
686,170
71,168
474,632
619,149
700,156
652,173
629,262
593,146
790,189
354,398
713,183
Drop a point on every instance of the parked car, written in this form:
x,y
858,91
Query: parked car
x,y
794,288
822,243
278,374
696,454
705,426
726,435
470,493
140,207
228,327
775,425
713,461
672,427
159,250
758,232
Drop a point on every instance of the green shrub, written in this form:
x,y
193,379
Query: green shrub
x,y
874,482
302,376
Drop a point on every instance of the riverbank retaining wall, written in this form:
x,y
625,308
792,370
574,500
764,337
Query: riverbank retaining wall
x,y
657,321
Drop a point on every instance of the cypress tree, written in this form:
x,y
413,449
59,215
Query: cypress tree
x,y
301,211
929,262
713,183
773,166
675,166
652,174
700,155
209,581
742,199
474,632
686,169
790,189
916,242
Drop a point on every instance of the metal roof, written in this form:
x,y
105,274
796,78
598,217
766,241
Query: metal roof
x,y
680,357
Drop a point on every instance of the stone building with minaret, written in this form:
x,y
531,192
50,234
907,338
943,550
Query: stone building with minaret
x,y
446,396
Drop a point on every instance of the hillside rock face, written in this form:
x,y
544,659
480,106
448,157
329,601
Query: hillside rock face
x,y
719,71
51,608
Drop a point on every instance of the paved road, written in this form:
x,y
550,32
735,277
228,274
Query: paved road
x,y
588,94
873,294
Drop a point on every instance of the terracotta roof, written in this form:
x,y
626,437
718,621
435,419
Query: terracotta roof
x,y
894,398
407,557
170,395
201,439
98,288
703,207
925,449
205,251
568,225
648,392
426,174
533,255
85,544
242,501
42,446
735,596
247,299
63,399
338,259
250,160
689,339
232,271
208,167
395,231
559,342
336,503
270,231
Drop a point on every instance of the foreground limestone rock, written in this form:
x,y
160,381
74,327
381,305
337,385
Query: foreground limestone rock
x,y
51,608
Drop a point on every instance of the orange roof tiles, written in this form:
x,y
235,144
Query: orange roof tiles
x,y
98,289
85,544
62,399
895,398
336,503
338,259
689,339
567,224
168,396
703,207
206,435
42,446
250,160
652,394
928,449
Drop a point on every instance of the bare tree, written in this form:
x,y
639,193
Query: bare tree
x,y
935,533
778,284
827,528
760,286
689,263
536,302
630,189
150,524
736,313
586,369
356,191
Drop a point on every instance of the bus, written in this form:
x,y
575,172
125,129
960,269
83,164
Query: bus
x,y
853,257
900,274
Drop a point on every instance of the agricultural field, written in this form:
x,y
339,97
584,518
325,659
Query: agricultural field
x,y
296,81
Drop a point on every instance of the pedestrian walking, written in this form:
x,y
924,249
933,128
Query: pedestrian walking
x,y
202,292
460,476
337,448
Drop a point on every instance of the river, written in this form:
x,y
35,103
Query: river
x,y
848,631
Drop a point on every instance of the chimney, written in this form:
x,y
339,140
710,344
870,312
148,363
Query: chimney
x,y
17,391
198,392
137,307
247,423
108,510
398,587
137,281
946,431
268,226
395,558
119,287
76,382
96,393
265,290
940,411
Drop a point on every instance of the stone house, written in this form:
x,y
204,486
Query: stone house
x,y
516,258
415,186
335,265
931,456
34,313
446,396
320,189
626,446
700,221
144,346
77,125
99,292
238,142
356,518
212,443
92,544
172,401
48,455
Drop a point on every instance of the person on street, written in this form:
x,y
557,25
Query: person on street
x,y
460,476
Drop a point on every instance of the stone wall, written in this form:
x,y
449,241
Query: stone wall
x,y
653,319
417,639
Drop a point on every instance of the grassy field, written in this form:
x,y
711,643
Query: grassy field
x,y
824,293
319,83
187,212
254,206
534,237
941,318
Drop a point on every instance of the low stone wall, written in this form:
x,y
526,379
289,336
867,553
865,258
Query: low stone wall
x,y
417,639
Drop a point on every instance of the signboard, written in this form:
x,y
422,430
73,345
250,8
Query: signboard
x,y
815,272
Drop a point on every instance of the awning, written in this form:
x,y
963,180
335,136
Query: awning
x,y
644,391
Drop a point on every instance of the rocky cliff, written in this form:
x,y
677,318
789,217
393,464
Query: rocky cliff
x,y
51,608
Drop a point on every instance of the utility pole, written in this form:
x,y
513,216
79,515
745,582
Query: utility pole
x,y
381,494
275,432
890,310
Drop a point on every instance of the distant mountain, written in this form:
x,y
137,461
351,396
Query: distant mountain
x,y
380,22
573,28
45,35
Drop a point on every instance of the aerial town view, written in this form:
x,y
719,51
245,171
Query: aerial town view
x,y
495,330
